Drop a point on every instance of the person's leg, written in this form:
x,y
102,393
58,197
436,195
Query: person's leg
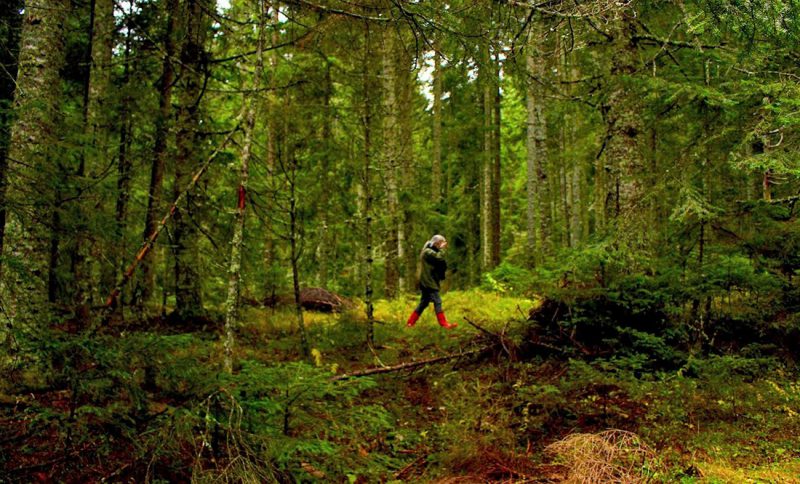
x,y
424,300
437,301
437,304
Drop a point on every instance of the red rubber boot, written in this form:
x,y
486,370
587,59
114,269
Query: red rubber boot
x,y
443,321
412,320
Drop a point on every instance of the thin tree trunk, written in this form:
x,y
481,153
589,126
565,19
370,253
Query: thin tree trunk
x,y
323,249
155,191
97,78
171,211
484,74
33,169
496,165
124,163
436,168
368,188
237,240
295,255
564,194
531,182
273,140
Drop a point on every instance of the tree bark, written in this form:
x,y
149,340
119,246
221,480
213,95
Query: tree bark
x,y
237,240
487,102
273,140
436,163
391,141
406,174
496,164
124,163
97,77
538,210
11,19
33,168
295,255
367,126
155,190
323,249
188,290
622,158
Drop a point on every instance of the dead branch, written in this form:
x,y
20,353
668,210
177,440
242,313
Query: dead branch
x,y
148,244
499,339
410,365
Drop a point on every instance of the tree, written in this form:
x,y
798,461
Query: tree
x,y
33,167
189,143
234,266
537,207
10,22
174,12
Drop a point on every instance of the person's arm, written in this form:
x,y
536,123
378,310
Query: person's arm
x,y
433,256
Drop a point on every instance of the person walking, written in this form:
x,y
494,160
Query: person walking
x,y
433,271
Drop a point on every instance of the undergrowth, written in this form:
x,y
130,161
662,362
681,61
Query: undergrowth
x,y
154,407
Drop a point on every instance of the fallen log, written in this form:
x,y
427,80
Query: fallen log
x,y
410,365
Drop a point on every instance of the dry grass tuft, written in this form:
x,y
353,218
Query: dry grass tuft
x,y
611,456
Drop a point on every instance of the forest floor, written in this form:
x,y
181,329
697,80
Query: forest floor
x,y
168,414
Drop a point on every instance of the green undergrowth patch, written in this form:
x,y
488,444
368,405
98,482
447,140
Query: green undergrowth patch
x,y
159,406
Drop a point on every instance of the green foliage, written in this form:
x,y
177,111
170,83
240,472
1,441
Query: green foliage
x,y
507,278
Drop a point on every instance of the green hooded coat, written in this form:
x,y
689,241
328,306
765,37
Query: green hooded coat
x,y
433,268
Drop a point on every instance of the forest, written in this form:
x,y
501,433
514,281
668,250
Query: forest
x,y
216,217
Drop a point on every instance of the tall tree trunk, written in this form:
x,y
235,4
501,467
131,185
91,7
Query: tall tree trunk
x,y
124,163
323,249
155,192
33,166
406,77
487,102
295,254
96,111
273,139
391,142
367,125
576,183
622,157
237,240
436,164
538,210
496,162
188,290
564,160
11,21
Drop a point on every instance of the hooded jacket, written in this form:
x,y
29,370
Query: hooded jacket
x,y
433,268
